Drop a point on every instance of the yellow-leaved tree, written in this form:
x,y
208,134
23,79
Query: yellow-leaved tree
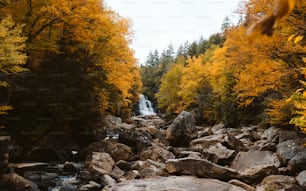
x,y
12,57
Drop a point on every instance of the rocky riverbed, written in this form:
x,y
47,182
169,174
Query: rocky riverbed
x,y
150,154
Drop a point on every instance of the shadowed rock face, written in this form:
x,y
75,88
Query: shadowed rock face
x,y
182,130
173,183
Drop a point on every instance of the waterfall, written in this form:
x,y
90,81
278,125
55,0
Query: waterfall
x,y
145,106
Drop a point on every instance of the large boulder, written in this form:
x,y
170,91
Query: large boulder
x,y
182,130
101,163
255,165
173,183
288,149
201,168
14,182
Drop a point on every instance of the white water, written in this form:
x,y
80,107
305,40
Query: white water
x,y
145,106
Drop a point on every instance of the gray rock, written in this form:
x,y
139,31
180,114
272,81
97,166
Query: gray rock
x,y
271,134
100,163
107,180
297,163
217,128
148,169
182,130
276,182
255,165
200,168
206,142
288,149
173,183
301,178
13,181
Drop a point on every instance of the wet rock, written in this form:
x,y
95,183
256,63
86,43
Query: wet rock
x,y
276,182
182,130
301,178
200,168
288,149
241,184
173,183
206,142
297,163
39,176
255,165
69,167
91,186
100,163
14,182
156,153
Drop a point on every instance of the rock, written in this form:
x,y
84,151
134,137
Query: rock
x,y
206,142
69,167
118,151
90,186
301,178
173,183
217,127
232,142
15,182
297,163
112,122
117,172
268,147
147,169
276,182
124,165
100,163
182,130
200,168
255,165
219,154
288,149
190,154
271,135
156,153
204,131
241,184
135,139
107,180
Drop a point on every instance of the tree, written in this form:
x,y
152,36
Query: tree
x,y
12,57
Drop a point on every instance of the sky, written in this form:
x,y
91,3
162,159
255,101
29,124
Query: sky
x,y
158,23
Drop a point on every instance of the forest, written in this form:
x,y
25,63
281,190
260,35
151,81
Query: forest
x,y
230,108
64,65
232,78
